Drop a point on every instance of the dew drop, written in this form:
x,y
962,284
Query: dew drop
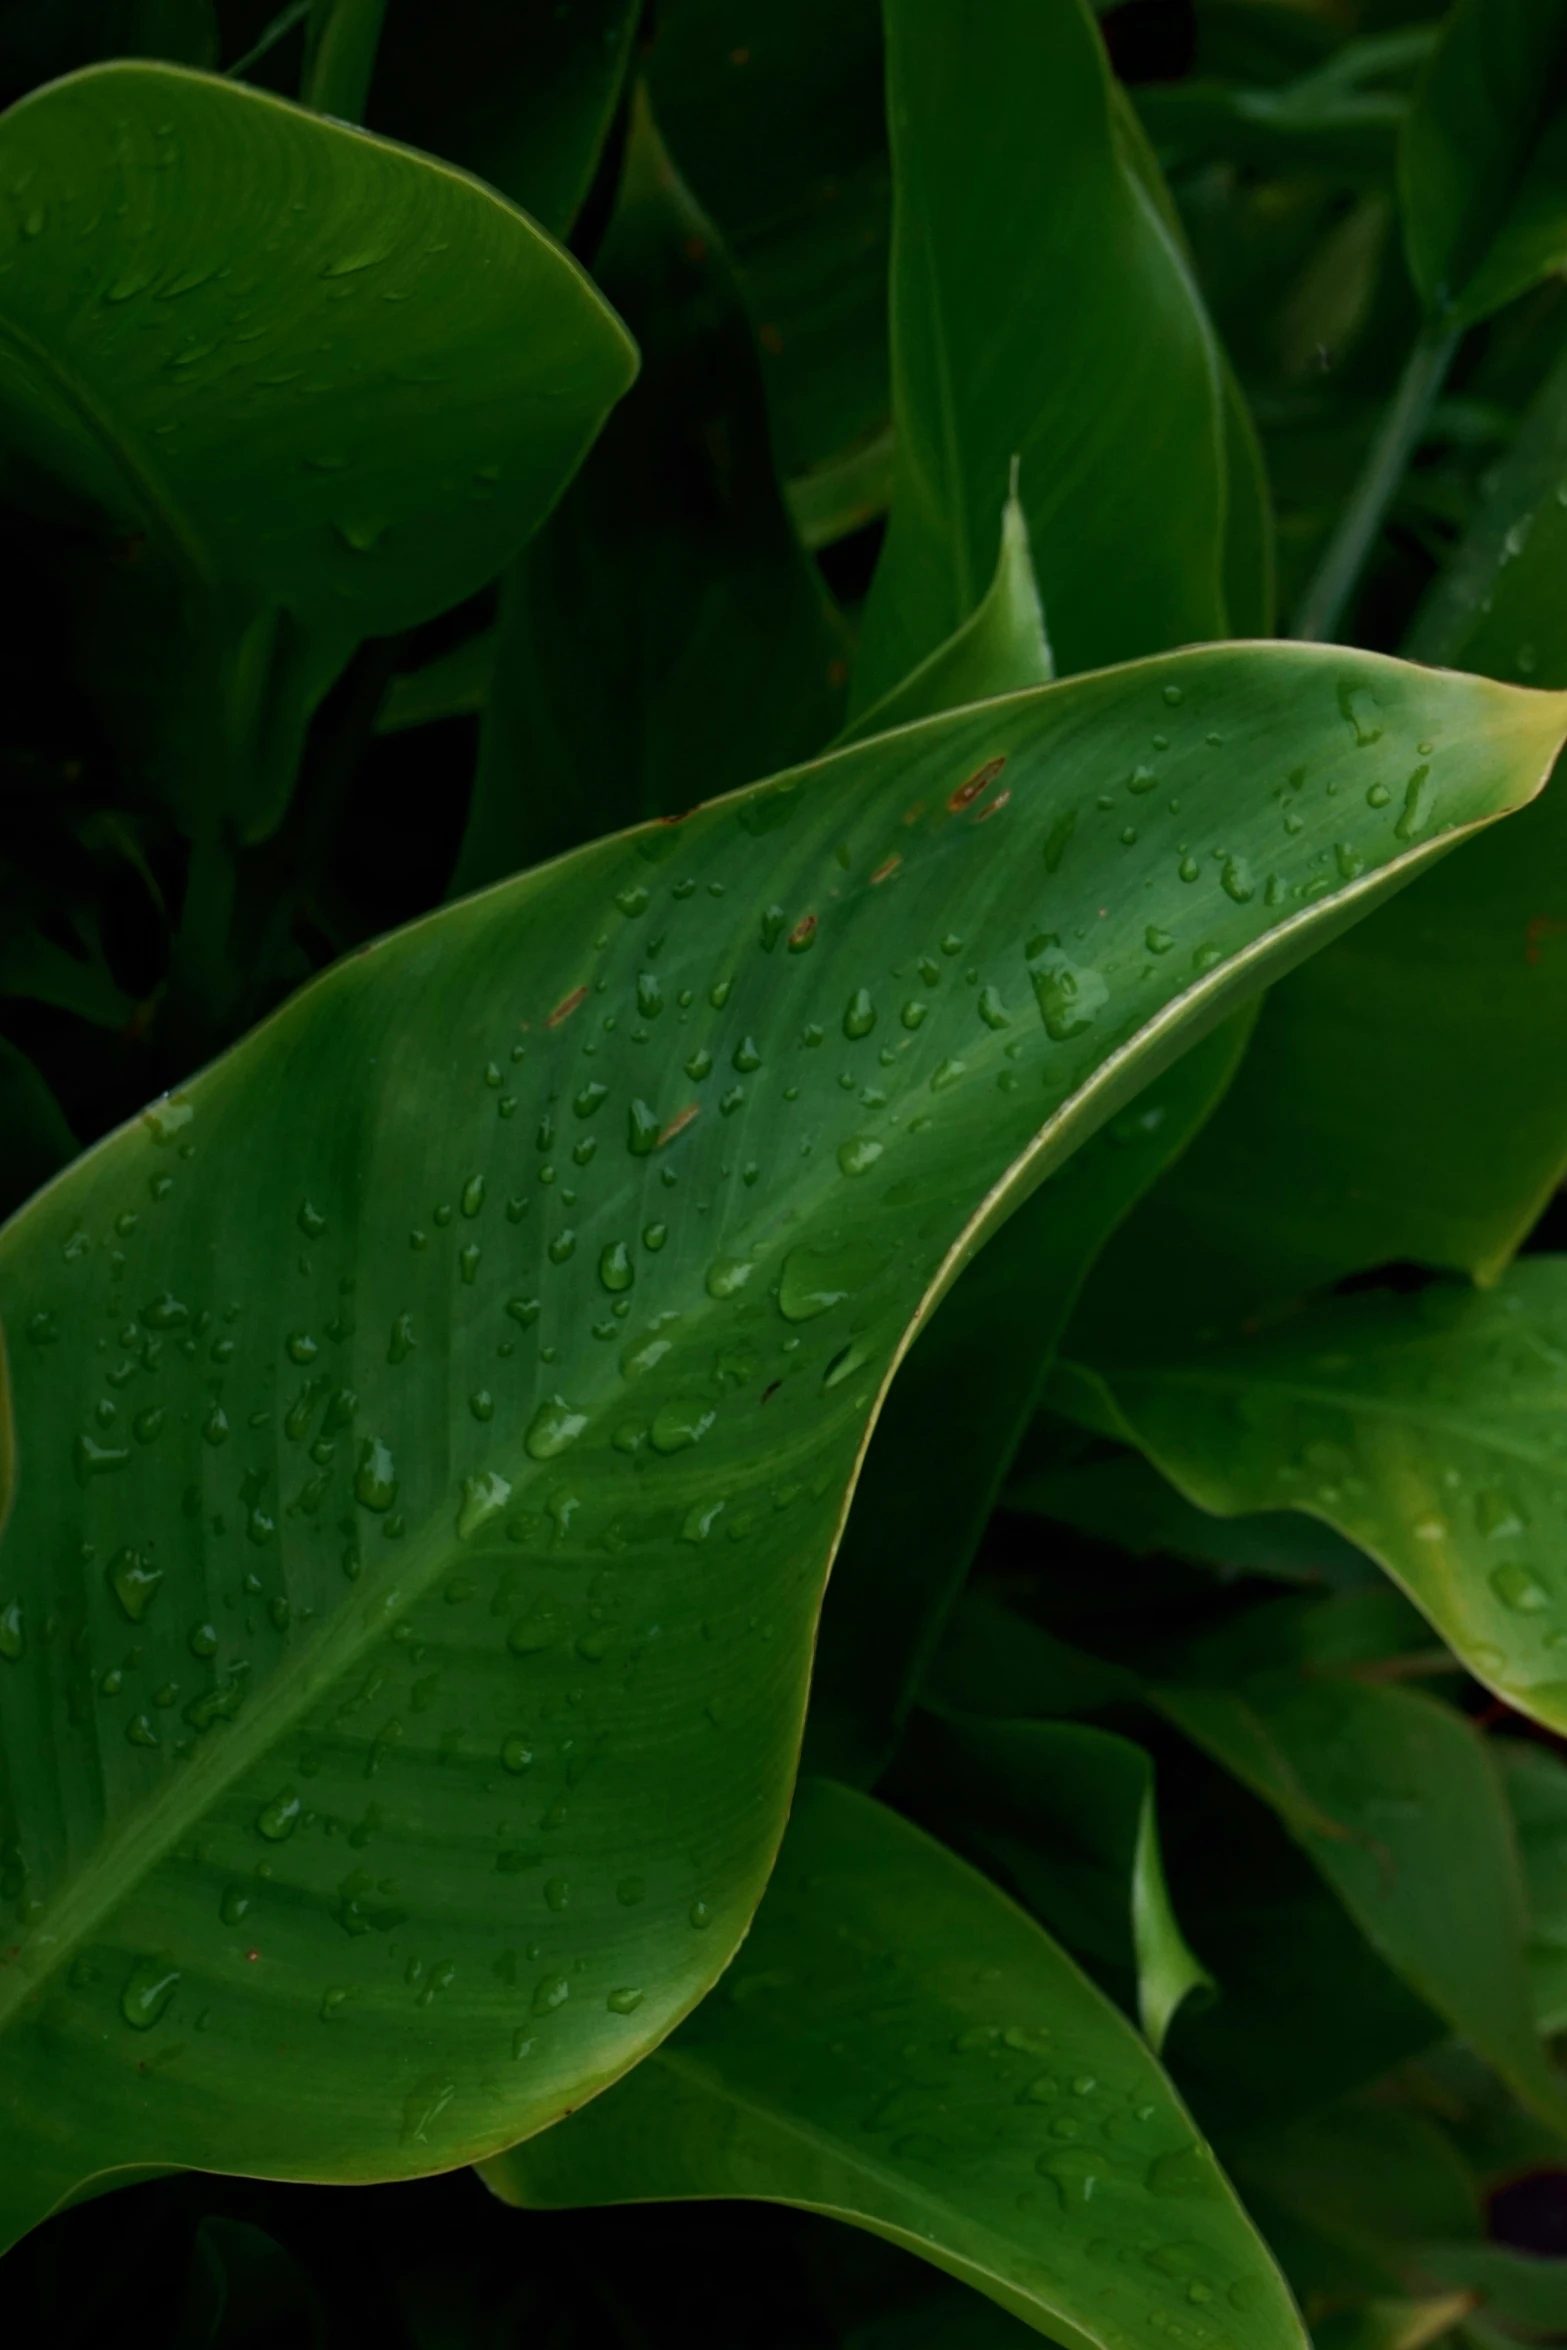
x,y
553,1429
149,1987
278,1819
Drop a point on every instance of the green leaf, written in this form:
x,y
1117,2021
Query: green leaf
x,y
1065,1814
1423,1428
665,637
1402,1100
1366,2180
776,117
1021,234
965,1396
1001,648
453,685
1395,1800
1123,1500
262,435
1483,160
1514,2289
372,1463
900,2047
522,95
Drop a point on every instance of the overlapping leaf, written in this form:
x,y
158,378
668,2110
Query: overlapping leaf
x,y
415,1587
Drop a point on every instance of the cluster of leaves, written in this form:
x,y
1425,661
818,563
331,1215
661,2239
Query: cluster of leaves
x,y
890,430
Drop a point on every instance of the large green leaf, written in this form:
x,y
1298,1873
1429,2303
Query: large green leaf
x,y
520,91
1535,1780
314,387
1395,1800
901,2047
1483,162
1427,1429
1041,309
664,637
1403,1099
488,1344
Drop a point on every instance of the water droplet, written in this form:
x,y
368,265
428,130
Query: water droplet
x,y
311,1221
557,1893
991,1009
483,1498
517,1756
1497,1515
623,2002
468,1264
1070,995
134,1582
149,1987
680,1423
860,1014
1378,796
1174,696
203,1640
473,1195
1417,805
524,1310
1074,2174
1236,882
728,1276
375,1479
234,1905
815,1279
553,1428
914,1013
278,1819
701,1916
858,1155
1142,779
1519,1590
551,1993
616,1270
642,1130
1187,2170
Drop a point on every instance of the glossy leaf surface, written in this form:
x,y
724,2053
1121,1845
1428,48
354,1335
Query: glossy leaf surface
x,y
1403,1100
1007,2124
1041,310
431,1553
203,290
1425,1428
664,637
1483,164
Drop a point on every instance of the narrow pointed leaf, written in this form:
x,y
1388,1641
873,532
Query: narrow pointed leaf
x,y
432,1551
1425,1429
204,290
1065,1814
1001,649
901,2047
1040,308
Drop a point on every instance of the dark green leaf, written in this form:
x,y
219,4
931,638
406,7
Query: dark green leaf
x,y
901,2047
1022,236
373,1465
34,1136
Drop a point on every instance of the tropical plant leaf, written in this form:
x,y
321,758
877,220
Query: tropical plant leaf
x,y
1064,1814
1002,2120
483,1387
1535,1782
971,1384
1483,160
195,384
1021,235
1375,1119
666,626
523,95
1395,1800
34,1136
1423,1428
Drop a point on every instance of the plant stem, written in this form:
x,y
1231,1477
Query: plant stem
x,y
1338,574
341,56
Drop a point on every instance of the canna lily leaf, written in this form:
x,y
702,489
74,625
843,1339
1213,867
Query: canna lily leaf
x,y
417,1587
203,289
1423,1428
1040,308
1403,1099
899,2046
